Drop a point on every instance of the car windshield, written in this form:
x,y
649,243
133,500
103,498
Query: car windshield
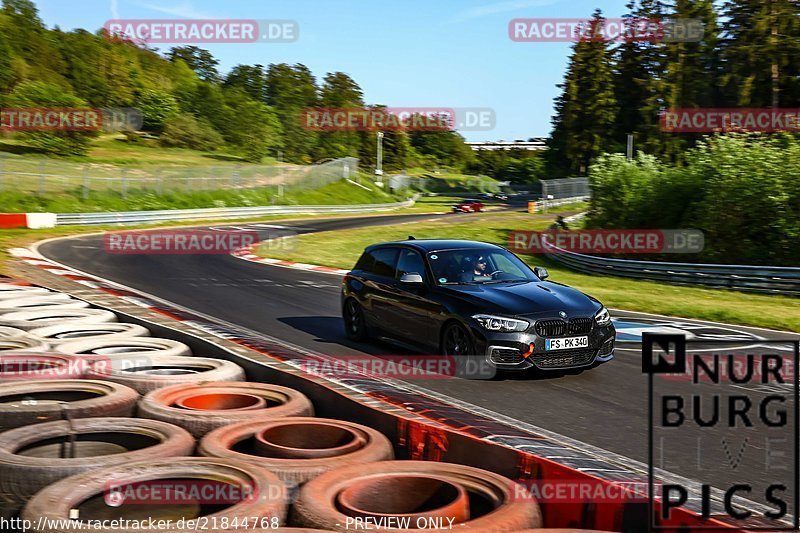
x,y
477,266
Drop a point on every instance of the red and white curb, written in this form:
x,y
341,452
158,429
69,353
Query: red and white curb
x,y
247,254
27,220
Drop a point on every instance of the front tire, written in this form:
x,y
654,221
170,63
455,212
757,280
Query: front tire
x,y
457,343
355,326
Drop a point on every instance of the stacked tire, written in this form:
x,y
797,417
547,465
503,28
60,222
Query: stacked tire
x,y
73,378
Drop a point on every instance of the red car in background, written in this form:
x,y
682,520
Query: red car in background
x,y
468,206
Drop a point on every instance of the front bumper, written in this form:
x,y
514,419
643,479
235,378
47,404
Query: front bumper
x,y
511,351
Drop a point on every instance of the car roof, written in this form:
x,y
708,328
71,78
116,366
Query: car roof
x,y
438,245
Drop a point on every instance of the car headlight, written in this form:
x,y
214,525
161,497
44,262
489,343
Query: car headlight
x,y
499,323
603,317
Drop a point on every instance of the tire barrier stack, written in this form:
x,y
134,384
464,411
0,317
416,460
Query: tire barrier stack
x,y
93,409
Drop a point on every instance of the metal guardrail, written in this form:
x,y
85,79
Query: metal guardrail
x,y
141,217
543,205
763,279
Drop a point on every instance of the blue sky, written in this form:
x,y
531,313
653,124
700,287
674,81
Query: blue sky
x,y
403,53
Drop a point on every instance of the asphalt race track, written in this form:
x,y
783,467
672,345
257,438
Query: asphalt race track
x,y
605,407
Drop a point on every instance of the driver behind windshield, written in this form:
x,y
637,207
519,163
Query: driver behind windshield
x,y
479,269
476,271
454,267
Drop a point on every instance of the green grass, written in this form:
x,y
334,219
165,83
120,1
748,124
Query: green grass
x,y
447,181
337,193
341,249
114,150
341,193
22,238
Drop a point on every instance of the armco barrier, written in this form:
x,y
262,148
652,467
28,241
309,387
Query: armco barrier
x,y
421,426
545,204
141,217
764,279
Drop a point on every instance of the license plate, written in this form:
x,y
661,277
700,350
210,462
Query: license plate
x,y
567,343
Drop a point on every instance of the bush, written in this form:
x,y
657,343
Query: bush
x,y
622,190
742,191
157,108
748,206
185,131
45,95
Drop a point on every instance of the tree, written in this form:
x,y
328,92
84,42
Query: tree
x,y
252,79
7,74
761,53
185,131
692,74
199,60
340,91
252,126
516,166
32,43
447,147
638,82
97,69
157,107
40,94
290,90
586,109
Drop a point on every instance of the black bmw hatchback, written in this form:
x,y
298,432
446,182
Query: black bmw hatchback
x,y
466,298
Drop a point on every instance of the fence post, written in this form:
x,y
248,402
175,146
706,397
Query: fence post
x,y
124,185
159,182
85,181
235,175
41,177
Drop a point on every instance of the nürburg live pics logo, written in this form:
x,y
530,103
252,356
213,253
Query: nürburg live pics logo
x,y
723,433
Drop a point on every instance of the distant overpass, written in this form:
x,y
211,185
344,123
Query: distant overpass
x,y
536,143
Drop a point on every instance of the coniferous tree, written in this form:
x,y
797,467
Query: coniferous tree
x,y
692,74
586,109
339,91
639,81
252,79
199,60
761,53
290,90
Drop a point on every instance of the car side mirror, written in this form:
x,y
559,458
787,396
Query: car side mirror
x,y
411,277
541,272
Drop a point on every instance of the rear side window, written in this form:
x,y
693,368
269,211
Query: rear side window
x,y
365,262
410,262
380,262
